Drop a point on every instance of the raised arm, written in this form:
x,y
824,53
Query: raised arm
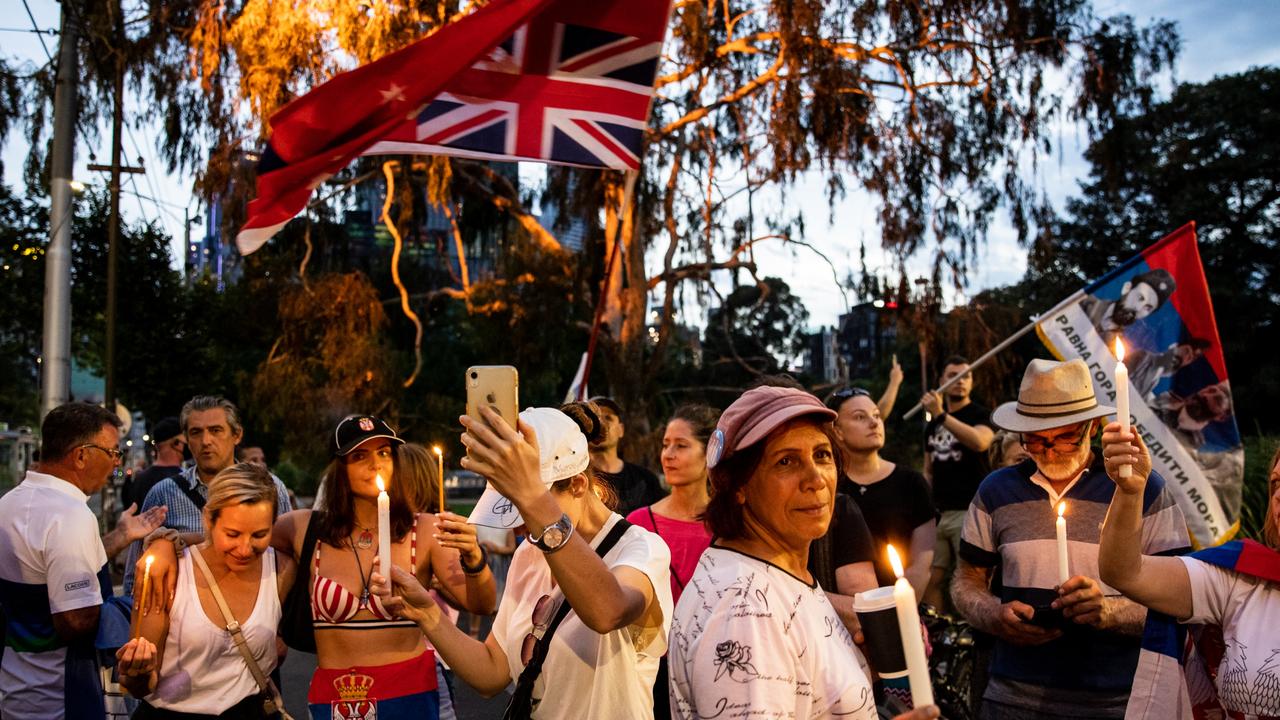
x,y
458,564
604,600
1160,583
890,396
482,665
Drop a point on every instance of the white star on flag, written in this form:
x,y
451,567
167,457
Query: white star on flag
x,y
395,93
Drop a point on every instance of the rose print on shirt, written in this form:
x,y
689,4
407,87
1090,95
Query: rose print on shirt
x,y
734,659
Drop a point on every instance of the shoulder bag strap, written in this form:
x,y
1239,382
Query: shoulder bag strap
x,y
653,519
190,489
522,698
233,626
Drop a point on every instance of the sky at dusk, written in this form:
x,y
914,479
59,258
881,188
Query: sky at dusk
x,y
1217,38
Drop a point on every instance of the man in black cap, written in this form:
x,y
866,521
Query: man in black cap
x,y
636,487
1140,296
169,444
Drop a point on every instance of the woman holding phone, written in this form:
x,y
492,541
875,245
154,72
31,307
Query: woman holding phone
x,y
588,598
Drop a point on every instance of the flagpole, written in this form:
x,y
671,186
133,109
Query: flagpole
x,y
1074,297
628,192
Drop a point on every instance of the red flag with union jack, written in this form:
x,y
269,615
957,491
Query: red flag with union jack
x,y
319,133
571,87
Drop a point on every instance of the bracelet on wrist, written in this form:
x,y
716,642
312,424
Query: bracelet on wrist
x,y
479,567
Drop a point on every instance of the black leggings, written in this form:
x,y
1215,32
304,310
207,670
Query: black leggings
x,y
249,708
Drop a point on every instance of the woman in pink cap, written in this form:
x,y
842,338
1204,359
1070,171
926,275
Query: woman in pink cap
x,y
753,630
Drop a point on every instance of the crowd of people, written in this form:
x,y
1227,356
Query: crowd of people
x,y
727,589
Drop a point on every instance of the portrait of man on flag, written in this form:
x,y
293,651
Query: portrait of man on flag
x,y
1157,304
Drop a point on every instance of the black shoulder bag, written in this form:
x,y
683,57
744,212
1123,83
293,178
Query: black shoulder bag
x,y
295,612
521,705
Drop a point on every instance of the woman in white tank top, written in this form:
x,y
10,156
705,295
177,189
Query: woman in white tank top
x,y
185,664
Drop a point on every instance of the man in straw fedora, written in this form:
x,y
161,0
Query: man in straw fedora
x,y
1063,649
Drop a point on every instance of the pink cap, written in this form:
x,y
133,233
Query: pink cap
x,y
758,412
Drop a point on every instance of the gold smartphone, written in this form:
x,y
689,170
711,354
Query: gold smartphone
x,y
497,386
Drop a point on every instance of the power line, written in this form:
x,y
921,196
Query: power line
x,y
36,28
37,31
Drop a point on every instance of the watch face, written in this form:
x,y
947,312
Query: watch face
x,y
553,536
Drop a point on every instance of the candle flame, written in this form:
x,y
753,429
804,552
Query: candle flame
x,y
436,449
150,559
382,487
1062,507
1119,350
895,561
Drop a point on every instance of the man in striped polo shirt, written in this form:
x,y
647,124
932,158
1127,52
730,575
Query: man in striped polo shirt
x,y
1063,649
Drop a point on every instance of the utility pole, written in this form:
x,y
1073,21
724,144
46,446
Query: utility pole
x,y
55,360
113,224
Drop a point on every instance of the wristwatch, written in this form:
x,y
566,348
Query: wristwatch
x,y
554,536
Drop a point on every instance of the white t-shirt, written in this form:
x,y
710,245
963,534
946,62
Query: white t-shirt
x,y
591,675
50,560
751,640
1248,610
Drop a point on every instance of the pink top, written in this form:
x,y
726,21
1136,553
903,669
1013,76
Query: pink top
x,y
686,539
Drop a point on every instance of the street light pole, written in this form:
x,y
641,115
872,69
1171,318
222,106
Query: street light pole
x,y
55,361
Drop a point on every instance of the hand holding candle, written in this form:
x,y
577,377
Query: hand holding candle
x,y
904,598
384,528
1064,572
1122,399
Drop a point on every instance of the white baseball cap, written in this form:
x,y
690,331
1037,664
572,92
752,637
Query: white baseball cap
x,y
562,453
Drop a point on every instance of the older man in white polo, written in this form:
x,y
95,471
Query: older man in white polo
x,y
1063,649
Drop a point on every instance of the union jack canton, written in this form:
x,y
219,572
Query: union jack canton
x,y
572,87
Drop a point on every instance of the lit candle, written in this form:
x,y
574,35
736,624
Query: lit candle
x,y
440,466
1064,573
140,602
384,529
904,598
1122,399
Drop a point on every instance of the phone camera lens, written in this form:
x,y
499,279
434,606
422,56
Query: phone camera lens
x,y
474,375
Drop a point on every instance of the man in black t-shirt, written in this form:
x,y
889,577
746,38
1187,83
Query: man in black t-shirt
x,y
635,486
955,462
169,444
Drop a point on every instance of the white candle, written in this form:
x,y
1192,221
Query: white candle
x,y
384,530
140,601
440,466
1122,399
1064,573
904,598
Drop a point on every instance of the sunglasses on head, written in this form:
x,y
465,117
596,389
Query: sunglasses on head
x,y
836,398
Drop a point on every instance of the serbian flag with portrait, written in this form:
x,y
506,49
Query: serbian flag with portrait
x,y
556,81
1158,305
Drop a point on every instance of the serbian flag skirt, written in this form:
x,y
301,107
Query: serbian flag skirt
x,y
405,690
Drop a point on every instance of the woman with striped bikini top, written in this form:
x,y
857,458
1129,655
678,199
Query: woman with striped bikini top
x,y
368,660
333,605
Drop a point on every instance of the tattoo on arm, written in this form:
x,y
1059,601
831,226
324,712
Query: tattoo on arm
x,y
970,591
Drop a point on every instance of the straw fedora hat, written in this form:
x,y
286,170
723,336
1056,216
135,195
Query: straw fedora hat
x,y
1052,395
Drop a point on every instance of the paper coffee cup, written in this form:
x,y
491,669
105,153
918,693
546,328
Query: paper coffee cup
x,y
879,618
